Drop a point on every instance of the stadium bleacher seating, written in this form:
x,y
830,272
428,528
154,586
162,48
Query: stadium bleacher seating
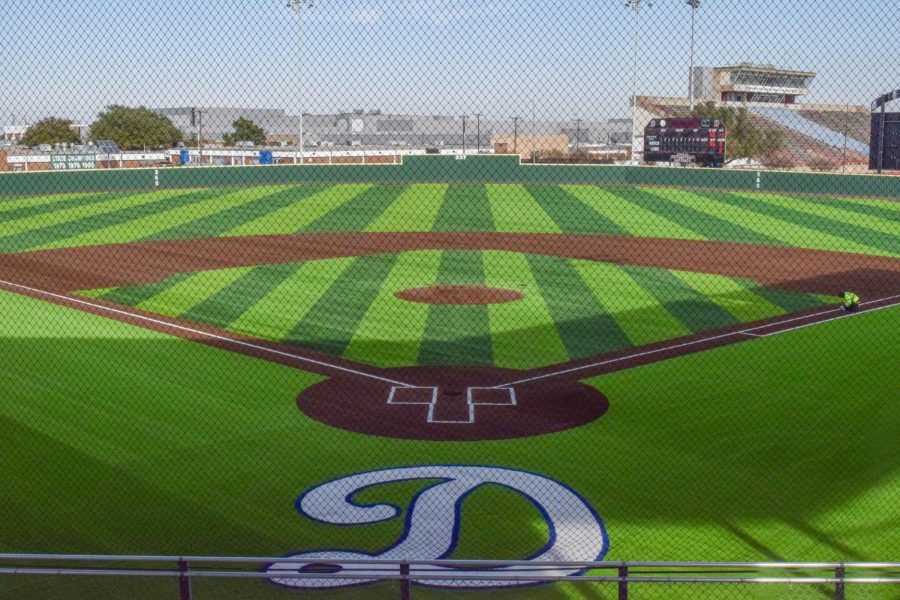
x,y
812,138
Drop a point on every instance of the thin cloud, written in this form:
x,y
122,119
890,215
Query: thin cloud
x,y
365,15
445,11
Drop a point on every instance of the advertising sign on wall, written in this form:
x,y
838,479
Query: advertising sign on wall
x,y
62,162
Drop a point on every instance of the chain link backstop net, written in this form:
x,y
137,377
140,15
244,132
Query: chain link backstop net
x,y
350,281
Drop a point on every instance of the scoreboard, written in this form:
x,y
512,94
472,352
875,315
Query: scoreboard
x,y
686,140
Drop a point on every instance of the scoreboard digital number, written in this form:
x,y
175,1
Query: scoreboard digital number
x,y
687,140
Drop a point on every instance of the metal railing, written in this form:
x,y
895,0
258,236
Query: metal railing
x,y
467,573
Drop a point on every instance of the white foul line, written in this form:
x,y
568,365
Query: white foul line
x,y
199,332
297,357
847,316
709,339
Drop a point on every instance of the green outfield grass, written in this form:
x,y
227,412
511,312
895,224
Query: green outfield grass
x,y
139,442
118,439
570,309
837,224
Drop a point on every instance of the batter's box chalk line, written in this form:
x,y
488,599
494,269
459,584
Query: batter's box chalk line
x,y
430,396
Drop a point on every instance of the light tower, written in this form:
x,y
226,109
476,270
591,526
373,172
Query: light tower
x,y
296,7
636,6
694,4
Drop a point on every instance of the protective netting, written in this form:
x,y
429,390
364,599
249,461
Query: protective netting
x,y
485,279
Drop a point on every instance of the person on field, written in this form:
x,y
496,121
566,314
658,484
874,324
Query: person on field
x,y
850,300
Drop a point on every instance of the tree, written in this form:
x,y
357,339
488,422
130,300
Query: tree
x,y
135,128
779,160
50,131
745,138
245,130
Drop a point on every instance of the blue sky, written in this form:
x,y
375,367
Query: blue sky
x,y
571,59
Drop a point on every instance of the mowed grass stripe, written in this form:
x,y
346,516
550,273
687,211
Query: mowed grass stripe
x,y
732,295
76,213
297,215
358,213
791,301
107,466
275,314
865,224
797,236
392,329
640,314
888,210
465,208
631,217
12,213
414,210
114,392
260,201
515,210
190,291
584,324
133,295
711,227
696,311
225,306
95,293
523,332
572,215
331,322
852,232
145,227
58,235
459,335
28,202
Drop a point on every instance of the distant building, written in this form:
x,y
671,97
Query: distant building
x,y
749,83
819,136
374,129
530,146
14,133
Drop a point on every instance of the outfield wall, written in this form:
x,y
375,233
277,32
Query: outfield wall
x,y
448,169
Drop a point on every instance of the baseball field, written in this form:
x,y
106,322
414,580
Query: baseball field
x,y
449,370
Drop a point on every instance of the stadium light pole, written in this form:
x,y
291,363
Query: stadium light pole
x,y
694,4
296,7
636,6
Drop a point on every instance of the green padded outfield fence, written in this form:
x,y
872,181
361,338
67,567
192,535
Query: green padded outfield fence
x,y
449,169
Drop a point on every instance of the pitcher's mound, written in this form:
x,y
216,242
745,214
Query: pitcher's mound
x,y
459,294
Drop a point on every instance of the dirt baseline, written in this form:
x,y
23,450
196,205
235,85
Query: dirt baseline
x,y
113,265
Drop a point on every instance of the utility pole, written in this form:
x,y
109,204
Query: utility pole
x,y
515,135
464,135
694,4
844,151
533,133
577,134
478,132
199,136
